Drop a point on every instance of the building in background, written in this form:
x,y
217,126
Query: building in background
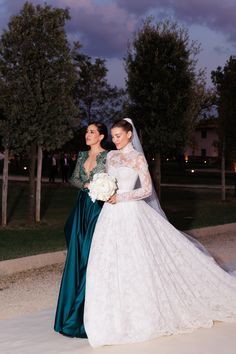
x,y
204,143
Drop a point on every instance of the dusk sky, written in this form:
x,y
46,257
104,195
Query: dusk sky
x,y
105,26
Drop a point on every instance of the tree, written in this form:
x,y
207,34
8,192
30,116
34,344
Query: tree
x,y
225,83
36,83
4,128
95,98
8,129
162,84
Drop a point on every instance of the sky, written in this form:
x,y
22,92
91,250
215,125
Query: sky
x,y
104,27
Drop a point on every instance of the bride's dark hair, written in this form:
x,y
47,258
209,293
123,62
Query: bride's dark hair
x,y
122,123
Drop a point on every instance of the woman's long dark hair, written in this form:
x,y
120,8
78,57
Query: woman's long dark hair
x,y
102,129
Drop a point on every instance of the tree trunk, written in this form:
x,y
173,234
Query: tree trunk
x,y
31,206
235,182
38,184
5,188
223,194
157,174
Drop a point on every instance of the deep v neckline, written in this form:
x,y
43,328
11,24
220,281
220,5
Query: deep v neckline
x,y
88,173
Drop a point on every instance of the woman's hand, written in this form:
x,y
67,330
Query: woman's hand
x,y
112,199
86,185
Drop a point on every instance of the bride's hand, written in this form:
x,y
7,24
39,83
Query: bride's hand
x,y
112,199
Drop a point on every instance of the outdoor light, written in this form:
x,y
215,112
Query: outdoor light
x,y
25,168
205,161
153,159
167,159
192,171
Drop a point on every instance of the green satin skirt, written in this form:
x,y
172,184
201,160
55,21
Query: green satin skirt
x,y
79,230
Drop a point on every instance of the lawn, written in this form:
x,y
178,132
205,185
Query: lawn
x,y
18,239
194,208
190,174
185,208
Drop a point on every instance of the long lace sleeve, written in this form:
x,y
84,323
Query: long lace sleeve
x,y
75,179
145,180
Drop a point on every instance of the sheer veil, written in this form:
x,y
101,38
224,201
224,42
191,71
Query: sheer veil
x,y
153,200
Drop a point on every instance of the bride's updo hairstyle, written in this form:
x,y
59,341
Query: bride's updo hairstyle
x,y
123,124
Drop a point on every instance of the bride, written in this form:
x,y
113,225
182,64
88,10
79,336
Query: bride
x,y
145,279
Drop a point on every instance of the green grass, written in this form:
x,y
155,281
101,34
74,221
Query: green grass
x,y
15,243
56,202
175,173
185,208
193,208
18,239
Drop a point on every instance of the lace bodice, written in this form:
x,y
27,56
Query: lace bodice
x,y
128,165
79,177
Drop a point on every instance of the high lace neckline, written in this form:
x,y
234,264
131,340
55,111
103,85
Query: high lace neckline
x,y
127,148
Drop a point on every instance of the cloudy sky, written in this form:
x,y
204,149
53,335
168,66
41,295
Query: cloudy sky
x,y
105,26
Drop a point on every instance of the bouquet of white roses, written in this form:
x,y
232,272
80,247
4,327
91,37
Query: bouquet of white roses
x,y
102,187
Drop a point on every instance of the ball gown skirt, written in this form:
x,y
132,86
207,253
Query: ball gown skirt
x,y
145,279
79,230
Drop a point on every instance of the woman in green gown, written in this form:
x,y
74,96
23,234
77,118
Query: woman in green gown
x,y
79,230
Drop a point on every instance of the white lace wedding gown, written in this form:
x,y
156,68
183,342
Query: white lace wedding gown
x,y
144,278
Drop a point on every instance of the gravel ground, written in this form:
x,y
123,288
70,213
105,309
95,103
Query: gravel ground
x,y
30,291
37,289
222,247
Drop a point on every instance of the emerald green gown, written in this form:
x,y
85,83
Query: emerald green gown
x,y
79,230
